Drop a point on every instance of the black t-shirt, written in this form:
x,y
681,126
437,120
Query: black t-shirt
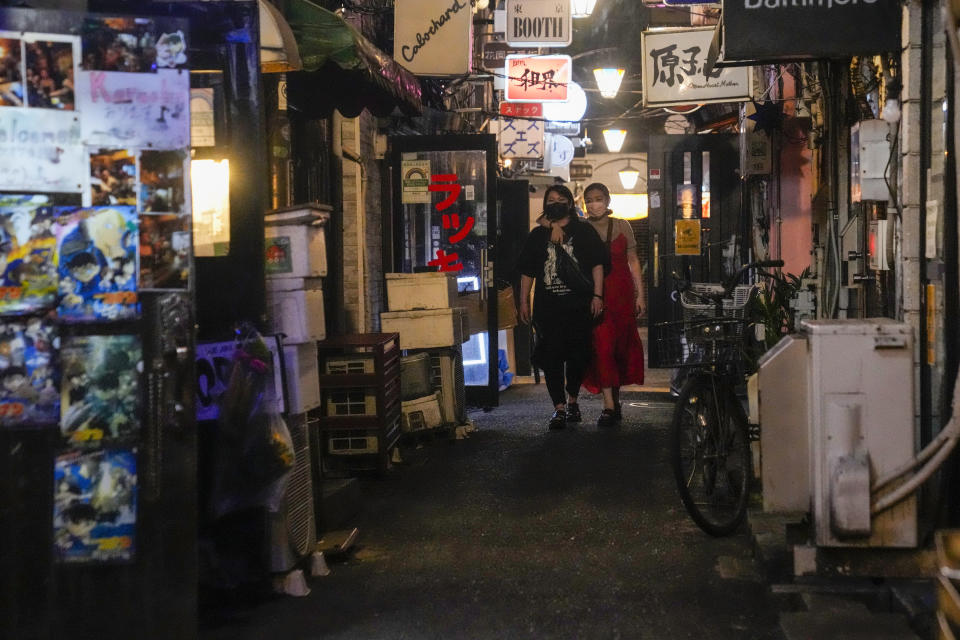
x,y
538,260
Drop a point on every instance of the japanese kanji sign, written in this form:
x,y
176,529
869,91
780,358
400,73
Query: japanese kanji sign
x,y
673,74
537,78
540,22
521,138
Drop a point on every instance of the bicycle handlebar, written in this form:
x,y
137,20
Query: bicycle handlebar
x,y
682,284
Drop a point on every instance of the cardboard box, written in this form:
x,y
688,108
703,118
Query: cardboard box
x,y
427,328
416,291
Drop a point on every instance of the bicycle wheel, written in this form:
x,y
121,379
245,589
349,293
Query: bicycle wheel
x,y
710,451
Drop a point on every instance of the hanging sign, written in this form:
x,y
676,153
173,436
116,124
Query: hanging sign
x,y
561,150
495,54
775,30
539,22
673,70
686,237
537,78
433,37
521,109
521,138
562,128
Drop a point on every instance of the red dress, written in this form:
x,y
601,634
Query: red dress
x,y
617,350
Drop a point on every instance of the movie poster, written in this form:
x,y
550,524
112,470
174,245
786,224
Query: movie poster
x,y
95,506
164,251
113,178
11,70
30,389
162,185
119,44
27,244
50,71
96,260
99,391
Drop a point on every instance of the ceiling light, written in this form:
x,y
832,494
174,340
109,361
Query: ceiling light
x,y
608,80
614,139
582,8
628,176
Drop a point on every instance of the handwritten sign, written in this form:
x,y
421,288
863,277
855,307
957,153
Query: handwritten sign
x,y
135,109
673,70
41,150
538,78
433,37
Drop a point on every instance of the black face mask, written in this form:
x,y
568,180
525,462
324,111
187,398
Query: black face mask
x,y
556,211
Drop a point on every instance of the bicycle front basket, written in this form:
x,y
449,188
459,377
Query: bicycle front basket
x,y
701,342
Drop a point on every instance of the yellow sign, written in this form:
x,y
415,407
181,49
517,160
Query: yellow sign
x,y
686,237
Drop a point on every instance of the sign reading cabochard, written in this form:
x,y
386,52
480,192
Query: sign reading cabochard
x,y
673,70
433,37
769,30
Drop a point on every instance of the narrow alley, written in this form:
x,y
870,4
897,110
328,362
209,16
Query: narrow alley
x,y
522,532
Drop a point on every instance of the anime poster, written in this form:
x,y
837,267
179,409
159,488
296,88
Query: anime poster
x,y
99,392
11,70
30,389
162,185
119,44
164,251
125,110
27,243
113,177
50,73
96,259
95,506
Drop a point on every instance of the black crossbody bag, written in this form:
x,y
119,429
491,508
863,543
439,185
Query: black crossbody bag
x,y
568,271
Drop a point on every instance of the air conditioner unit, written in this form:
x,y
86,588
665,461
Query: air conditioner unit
x,y
293,530
446,376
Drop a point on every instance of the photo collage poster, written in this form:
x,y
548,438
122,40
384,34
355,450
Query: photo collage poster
x,y
94,207
95,506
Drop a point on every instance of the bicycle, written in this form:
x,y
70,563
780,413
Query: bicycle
x,y
710,440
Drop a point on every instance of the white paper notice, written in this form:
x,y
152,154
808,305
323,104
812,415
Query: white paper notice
x,y
123,110
41,150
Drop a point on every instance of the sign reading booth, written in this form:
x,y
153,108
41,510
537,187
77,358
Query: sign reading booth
x,y
544,23
433,37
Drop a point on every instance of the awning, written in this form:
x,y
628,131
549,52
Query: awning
x,y
278,46
344,70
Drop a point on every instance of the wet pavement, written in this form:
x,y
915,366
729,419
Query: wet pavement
x,y
521,532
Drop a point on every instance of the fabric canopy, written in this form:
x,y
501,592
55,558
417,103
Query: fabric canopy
x,y
344,70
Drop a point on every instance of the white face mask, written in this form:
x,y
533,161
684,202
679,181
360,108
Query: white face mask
x,y
596,205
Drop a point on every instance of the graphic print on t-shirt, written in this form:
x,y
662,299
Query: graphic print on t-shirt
x,y
551,280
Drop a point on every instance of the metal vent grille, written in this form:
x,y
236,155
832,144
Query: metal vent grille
x,y
300,516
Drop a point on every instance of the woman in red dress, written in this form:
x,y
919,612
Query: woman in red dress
x,y
617,350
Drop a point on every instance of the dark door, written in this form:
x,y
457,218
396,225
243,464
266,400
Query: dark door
x,y
452,227
513,227
694,190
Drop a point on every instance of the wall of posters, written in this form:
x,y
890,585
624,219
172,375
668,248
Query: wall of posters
x,y
27,243
95,506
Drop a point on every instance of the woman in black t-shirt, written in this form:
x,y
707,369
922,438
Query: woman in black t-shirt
x,y
561,317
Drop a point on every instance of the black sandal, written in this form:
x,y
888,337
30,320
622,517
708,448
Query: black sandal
x,y
558,420
608,418
573,412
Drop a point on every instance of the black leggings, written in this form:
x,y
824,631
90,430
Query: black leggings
x,y
563,351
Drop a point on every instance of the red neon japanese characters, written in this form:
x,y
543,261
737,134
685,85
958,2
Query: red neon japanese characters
x,y
447,183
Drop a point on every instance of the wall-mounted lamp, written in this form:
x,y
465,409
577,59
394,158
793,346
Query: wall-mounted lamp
x,y
210,184
614,139
582,8
608,80
628,176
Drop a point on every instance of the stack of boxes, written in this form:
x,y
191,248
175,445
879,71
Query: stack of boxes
x,y
422,309
296,262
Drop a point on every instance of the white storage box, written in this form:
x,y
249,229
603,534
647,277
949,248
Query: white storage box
x,y
298,314
293,284
295,245
413,291
427,329
359,401
422,413
303,381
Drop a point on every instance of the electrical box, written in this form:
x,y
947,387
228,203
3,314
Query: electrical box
x,y
869,160
861,417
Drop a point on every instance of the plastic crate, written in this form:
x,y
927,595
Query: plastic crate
x,y
360,401
346,442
